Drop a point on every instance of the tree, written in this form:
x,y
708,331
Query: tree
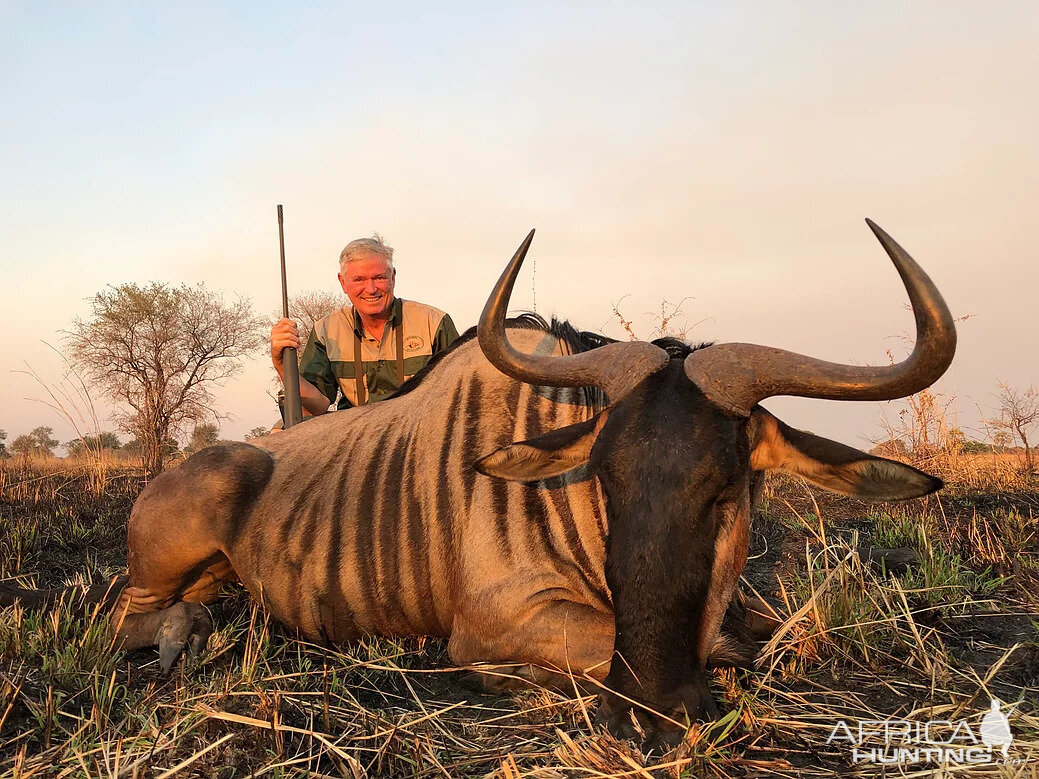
x,y
3,446
1001,440
1018,415
93,445
158,351
204,434
40,441
976,447
256,432
135,447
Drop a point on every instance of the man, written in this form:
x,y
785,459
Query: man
x,y
363,352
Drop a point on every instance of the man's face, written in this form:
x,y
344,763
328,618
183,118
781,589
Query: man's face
x,y
368,282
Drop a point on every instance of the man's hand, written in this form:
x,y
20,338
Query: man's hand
x,y
285,334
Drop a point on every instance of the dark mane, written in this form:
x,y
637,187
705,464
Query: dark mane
x,y
678,349
576,340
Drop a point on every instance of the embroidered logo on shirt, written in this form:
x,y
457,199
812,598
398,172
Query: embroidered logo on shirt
x,y
413,343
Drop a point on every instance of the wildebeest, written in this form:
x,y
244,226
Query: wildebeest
x,y
539,496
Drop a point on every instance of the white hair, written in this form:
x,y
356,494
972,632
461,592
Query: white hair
x,y
363,248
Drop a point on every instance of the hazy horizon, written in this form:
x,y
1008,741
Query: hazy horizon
x,y
721,155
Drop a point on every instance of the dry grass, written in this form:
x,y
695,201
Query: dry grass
x,y
857,643
981,472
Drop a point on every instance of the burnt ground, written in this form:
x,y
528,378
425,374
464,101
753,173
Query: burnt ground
x,y
54,529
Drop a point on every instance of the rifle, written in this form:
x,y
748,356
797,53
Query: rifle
x,y
293,405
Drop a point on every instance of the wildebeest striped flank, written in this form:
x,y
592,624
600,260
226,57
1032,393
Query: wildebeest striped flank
x,y
426,538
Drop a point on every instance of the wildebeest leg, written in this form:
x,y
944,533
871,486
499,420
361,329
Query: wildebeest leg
x,y
748,623
181,626
556,642
760,619
179,531
501,679
566,645
165,609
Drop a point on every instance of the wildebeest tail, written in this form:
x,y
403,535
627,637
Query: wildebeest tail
x,y
106,594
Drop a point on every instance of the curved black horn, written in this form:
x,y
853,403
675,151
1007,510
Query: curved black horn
x,y
616,368
736,376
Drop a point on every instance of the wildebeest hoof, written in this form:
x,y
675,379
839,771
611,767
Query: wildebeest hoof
x,y
694,702
619,722
640,727
657,733
500,680
661,741
185,627
485,683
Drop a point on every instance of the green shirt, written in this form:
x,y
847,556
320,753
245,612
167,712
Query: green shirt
x,y
328,359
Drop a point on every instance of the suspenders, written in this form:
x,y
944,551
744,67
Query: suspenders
x,y
400,349
358,377
362,396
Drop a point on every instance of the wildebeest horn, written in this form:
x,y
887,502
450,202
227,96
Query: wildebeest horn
x,y
616,368
736,376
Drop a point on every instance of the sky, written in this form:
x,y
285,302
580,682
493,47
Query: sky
x,y
720,156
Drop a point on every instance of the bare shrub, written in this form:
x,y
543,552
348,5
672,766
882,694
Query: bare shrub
x,y
1018,416
921,428
666,324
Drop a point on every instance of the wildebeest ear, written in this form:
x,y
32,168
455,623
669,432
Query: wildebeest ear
x,y
547,455
831,465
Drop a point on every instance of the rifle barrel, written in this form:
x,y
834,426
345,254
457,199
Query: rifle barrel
x,y
293,405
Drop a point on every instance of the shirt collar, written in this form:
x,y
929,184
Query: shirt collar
x,y
396,317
